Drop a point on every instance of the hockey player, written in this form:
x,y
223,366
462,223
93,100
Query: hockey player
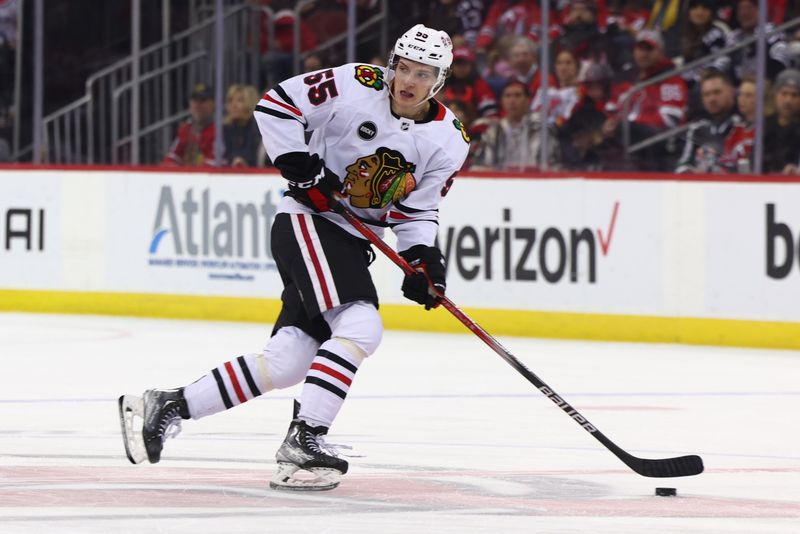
x,y
381,139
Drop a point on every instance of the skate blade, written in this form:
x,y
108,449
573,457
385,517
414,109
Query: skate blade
x,y
289,477
131,408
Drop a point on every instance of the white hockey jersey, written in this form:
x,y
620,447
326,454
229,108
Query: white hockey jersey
x,y
395,170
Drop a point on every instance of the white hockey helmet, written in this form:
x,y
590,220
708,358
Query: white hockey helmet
x,y
424,45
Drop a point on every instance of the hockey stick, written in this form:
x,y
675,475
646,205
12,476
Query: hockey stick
x,y
665,467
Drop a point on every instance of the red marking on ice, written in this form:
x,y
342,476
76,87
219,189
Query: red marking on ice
x,y
163,488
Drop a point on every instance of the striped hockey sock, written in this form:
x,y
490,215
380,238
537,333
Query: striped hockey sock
x,y
327,383
228,385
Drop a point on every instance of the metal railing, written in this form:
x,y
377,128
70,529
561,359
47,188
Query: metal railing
x,y
698,63
381,17
153,124
63,141
161,98
96,128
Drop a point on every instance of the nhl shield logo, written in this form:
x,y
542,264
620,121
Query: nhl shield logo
x,y
367,130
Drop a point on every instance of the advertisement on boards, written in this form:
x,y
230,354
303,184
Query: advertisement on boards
x,y
194,234
554,245
29,230
753,258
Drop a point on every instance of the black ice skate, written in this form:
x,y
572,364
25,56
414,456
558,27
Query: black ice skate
x,y
304,462
160,412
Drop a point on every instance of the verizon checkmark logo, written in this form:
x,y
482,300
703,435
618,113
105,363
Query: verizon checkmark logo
x,y
605,242
511,251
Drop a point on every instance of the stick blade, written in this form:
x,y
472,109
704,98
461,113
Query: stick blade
x,y
682,466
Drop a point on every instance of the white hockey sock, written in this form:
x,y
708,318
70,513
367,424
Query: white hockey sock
x,y
327,383
228,385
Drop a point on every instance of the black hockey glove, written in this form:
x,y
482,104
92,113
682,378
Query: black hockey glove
x,y
430,275
310,181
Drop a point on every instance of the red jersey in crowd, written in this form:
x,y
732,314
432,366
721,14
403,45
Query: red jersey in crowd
x,y
284,33
659,106
518,18
474,92
191,147
738,147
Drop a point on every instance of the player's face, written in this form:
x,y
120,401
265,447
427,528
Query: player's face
x,y
412,82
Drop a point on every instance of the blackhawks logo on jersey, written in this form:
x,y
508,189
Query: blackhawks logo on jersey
x,y
460,126
376,180
370,76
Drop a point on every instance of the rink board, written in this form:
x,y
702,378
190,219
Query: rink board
x,y
599,257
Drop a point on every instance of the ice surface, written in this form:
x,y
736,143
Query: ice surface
x,y
454,440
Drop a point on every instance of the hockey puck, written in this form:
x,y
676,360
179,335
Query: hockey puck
x,y
666,492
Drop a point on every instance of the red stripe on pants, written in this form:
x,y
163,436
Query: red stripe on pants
x,y
235,381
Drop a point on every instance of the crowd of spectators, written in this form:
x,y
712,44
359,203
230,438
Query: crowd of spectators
x,y
599,103
613,99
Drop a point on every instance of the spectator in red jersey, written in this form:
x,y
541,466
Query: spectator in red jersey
x,y
276,63
651,110
466,86
194,143
737,151
515,17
